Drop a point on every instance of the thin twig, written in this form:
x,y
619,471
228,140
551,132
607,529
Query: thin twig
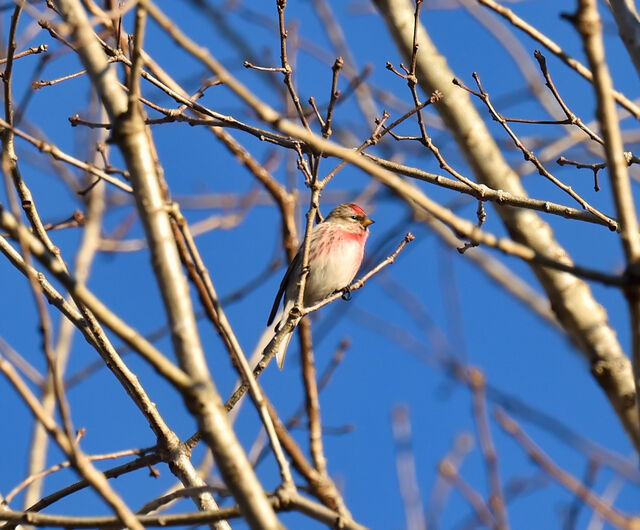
x,y
554,48
528,154
562,477
477,384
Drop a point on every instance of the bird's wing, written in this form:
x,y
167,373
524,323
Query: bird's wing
x,y
282,288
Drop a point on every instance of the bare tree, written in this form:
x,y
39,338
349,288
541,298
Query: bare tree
x,y
132,77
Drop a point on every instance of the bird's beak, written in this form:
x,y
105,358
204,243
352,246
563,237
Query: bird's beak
x,y
366,222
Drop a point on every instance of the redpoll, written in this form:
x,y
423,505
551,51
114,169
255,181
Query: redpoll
x,y
335,255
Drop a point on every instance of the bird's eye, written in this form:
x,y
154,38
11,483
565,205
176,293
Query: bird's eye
x,y
354,217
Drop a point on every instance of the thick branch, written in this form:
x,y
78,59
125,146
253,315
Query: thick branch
x,y
201,396
582,317
590,28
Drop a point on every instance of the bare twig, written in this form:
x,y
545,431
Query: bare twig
x,y
477,384
554,48
406,469
590,28
562,477
529,155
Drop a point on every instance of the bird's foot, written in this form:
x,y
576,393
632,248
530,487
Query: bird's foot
x,y
346,293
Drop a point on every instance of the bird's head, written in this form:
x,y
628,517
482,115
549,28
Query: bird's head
x,y
349,214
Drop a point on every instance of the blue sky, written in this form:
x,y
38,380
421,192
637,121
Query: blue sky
x,y
476,321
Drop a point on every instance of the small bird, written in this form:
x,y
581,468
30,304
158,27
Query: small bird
x,y
335,254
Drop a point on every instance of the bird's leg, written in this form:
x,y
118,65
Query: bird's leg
x,y
346,293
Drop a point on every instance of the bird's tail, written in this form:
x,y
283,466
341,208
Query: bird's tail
x,y
266,337
282,349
